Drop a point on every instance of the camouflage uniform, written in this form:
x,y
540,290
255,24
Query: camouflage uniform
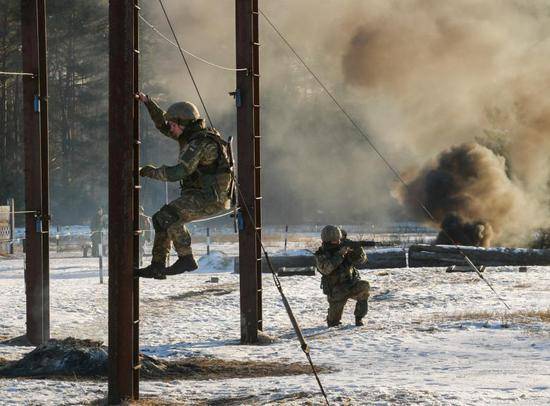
x,y
341,280
204,175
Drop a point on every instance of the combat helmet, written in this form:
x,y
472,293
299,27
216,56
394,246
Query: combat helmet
x,y
330,233
182,113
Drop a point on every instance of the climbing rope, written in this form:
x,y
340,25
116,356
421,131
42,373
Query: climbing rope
x,y
382,157
223,214
185,60
303,345
17,74
156,30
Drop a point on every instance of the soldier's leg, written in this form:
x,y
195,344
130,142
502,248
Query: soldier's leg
x,y
166,217
361,294
162,220
335,310
190,207
181,237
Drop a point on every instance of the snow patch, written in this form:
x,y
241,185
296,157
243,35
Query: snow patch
x,y
216,262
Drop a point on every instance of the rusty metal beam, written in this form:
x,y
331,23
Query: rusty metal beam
x,y
44,162
122,201
35,128
137,189
11,203
248,144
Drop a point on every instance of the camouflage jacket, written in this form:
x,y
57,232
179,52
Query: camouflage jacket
x,y
338,268
203,161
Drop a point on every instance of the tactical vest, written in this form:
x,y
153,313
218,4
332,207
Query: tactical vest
x,y
216,176
345,274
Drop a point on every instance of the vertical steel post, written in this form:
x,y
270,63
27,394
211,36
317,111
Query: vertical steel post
x,y
35,128
207,240
137,189
122,204
11,203
248,130
44,162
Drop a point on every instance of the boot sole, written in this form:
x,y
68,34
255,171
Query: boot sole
x,y
177,272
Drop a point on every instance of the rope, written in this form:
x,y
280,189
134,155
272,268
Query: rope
x,y
370,142
18,74
225,213
155,29
293,321
186,64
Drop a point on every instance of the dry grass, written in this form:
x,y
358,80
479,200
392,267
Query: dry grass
x,y
229,401
521,316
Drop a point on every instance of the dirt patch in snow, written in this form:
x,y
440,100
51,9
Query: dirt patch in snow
x,y
197,294
72,359
221,401
217,291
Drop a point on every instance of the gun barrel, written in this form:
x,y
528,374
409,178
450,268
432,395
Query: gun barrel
x,y
362,243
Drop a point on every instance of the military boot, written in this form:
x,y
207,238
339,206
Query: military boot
x,y
185,263
331,323
155,270
359,322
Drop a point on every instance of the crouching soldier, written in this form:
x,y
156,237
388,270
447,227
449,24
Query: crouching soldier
x,y
341,280
205,174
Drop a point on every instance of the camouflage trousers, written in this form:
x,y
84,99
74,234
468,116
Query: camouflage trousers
x,y
169,222
339,296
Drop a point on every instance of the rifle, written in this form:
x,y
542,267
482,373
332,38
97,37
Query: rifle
x,y
346,242
357,244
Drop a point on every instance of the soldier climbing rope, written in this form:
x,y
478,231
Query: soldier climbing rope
x,y
304,346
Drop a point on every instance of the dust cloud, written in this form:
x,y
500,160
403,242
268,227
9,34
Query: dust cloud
x,y
426,79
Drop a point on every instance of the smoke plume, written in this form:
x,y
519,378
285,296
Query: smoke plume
x,y
420,76
462,78
468,192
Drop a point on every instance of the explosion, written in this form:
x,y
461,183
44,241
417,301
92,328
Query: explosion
x,y
469,194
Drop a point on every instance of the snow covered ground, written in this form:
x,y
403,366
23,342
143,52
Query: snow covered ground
x,y
431,337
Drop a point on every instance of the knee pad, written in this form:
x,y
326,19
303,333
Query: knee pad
x,y
164,218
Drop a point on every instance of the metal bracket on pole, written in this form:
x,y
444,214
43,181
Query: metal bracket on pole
x,y
36,103
237,96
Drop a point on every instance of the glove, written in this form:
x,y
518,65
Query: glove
x,y
343,251
355,255
147,171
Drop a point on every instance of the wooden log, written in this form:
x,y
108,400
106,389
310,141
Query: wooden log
x,y
390,258
446,255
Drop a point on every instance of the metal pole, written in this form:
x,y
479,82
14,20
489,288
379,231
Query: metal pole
x,y
36,272
101,257
137,189
11,203
166,202
207,240
122,211
44,161
248,130
286,236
